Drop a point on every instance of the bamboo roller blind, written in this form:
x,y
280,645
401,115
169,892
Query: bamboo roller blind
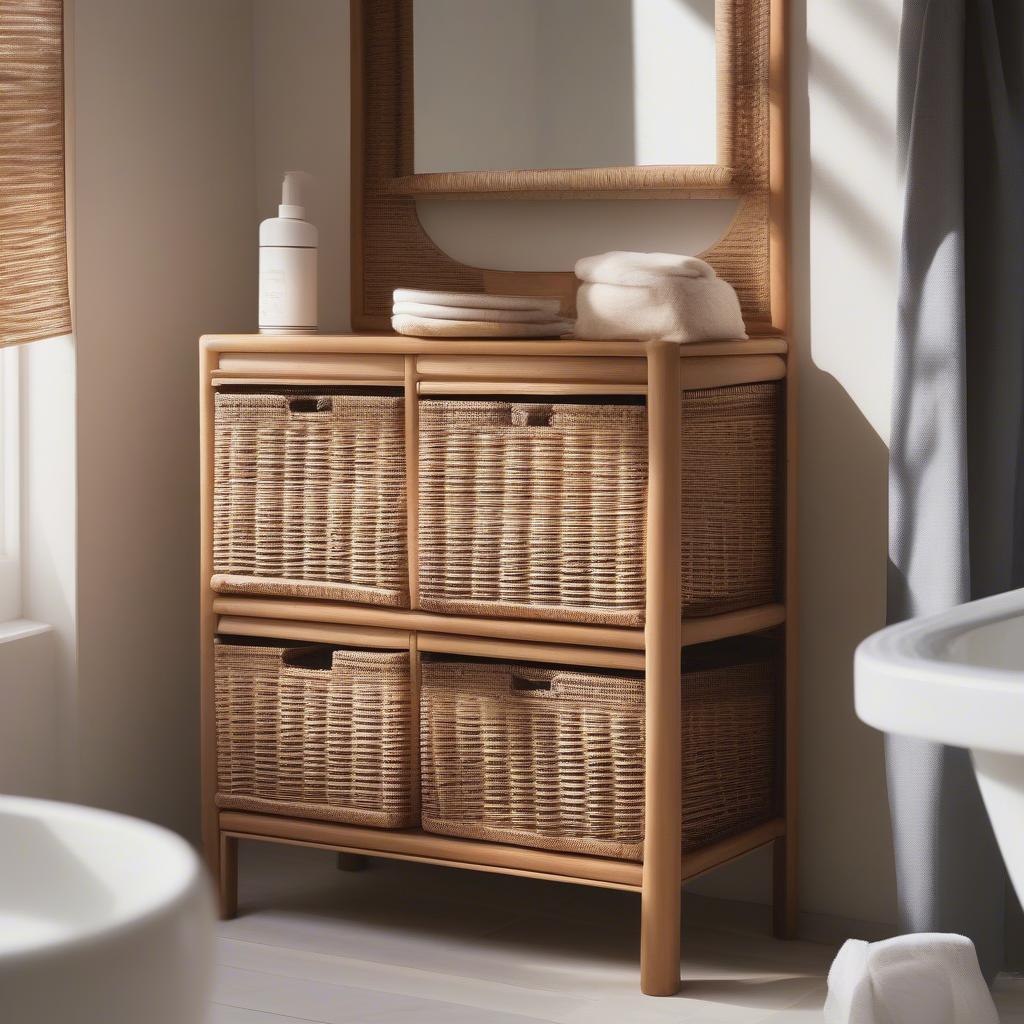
x,y
34,300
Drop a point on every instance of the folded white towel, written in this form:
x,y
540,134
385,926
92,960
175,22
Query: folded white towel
x,y
508,316
479,300
639,268
654,297
428,327
912,979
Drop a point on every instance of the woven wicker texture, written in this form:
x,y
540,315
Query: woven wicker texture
x,y
309,496
730,500
33,252
562,767
531,510
310,742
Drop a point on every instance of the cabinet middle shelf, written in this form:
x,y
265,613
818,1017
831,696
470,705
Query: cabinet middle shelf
x,y
261,613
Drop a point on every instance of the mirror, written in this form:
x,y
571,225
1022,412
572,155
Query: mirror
x,y
533,84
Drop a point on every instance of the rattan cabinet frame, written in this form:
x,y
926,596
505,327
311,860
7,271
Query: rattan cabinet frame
x,y
419,366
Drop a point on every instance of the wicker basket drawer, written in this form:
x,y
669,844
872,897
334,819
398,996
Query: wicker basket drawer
x,y
309,495
315,732
538,510
554,758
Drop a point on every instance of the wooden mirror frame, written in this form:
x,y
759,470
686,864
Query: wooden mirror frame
x,y
390,248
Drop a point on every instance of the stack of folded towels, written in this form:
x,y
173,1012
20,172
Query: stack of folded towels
x,y
426,314
654,296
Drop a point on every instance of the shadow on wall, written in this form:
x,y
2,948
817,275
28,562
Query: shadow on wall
x,y
844,462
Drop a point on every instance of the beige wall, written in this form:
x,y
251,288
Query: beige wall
x,y
164,198
846,220
845,239
301,83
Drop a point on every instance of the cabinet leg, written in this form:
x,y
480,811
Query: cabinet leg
x,y
659,925
227,881
785,908
352,862
659,944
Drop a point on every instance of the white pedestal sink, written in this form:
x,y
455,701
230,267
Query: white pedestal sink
x,y
958,677
103,919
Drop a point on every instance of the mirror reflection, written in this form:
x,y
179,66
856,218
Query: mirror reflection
x,y
529,84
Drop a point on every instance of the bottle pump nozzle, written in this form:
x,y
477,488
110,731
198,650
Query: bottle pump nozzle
x,y
292,205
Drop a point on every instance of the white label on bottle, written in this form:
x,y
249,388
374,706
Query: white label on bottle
x,y
287,287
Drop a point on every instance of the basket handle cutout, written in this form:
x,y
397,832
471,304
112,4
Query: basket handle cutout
x,y
310,405
523,683
318,657
532,415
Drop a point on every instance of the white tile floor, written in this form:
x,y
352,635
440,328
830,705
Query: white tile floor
x,y
411,943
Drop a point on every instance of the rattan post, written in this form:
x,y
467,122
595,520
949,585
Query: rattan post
x,y
786,848
662,869
207,619
412,479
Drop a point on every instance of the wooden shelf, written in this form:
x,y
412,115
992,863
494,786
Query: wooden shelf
x,y
695,630
387,343
467,370
714,855
414,844
500,858
719,627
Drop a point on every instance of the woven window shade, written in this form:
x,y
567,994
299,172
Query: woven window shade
x,y
34,301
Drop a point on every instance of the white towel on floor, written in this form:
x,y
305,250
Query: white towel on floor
x,y
508,316
427,327
654,297
480,300
912,979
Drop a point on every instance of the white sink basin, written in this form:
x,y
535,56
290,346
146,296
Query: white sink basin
x,y
104,919
958,678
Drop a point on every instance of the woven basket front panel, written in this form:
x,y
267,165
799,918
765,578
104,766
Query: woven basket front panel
x,y
332,744
563,769
548,521
533,510
309,497
559,769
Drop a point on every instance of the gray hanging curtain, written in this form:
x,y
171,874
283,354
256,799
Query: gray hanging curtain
x,y
956,492
33,252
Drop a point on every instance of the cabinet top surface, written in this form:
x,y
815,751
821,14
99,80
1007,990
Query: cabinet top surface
x,y
394,344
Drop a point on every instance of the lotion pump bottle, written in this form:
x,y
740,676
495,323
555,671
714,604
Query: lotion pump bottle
x,y
288,258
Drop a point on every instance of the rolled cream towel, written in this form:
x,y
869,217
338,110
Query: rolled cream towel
x,y
428,327
654,297
912,979
639,268
480,300
509,316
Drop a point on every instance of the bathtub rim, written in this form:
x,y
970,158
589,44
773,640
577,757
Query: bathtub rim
x,y
905,683
191,885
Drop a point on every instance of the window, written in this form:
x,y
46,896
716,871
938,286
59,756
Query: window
x,y
10,568
34,301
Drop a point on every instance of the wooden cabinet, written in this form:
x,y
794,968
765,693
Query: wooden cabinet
x,y
338,563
